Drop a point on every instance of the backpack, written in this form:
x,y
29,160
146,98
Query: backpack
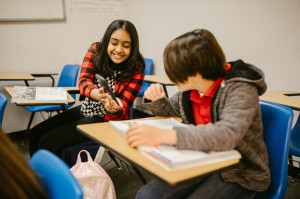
x,y
69,154
94,181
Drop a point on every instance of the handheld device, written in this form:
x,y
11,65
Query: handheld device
x,y
104,84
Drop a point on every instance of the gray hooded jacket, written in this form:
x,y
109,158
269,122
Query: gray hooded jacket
x,y
236,124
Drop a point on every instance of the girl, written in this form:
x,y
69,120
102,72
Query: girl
x,y
18,180
220,102
117,58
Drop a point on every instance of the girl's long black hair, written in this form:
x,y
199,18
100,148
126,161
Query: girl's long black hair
x,y
135,62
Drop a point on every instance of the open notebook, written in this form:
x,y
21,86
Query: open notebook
x,y
169,157
24,94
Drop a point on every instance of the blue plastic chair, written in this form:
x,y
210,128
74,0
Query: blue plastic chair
x,y
3,102
277,123
294,146
68,78
148,71
55,175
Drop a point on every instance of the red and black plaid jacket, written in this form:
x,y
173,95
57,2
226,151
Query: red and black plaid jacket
x,y
125,91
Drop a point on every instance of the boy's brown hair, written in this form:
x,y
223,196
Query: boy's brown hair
x,y
194,52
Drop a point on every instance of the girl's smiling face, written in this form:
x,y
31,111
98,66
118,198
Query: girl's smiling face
x,y
119,46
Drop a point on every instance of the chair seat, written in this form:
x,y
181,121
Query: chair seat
x,y
45,108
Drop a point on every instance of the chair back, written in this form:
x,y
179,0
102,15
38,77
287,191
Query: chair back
x,y
148,71
3,102
277,121
68,77
55,175
294,147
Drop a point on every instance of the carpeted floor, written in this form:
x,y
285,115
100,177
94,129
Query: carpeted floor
x,y
126,181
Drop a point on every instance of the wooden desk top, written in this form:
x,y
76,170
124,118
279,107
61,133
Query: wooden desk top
x,y
104,134
286,98
32,103
15,76
162,79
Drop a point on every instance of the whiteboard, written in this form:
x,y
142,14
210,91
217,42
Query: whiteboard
x,y
31,10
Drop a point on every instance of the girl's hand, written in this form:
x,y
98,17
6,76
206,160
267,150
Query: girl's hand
x,y
99,94
154,92
102,95
140,134
111,105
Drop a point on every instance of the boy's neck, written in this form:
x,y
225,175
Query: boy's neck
x,y
196,82
203,85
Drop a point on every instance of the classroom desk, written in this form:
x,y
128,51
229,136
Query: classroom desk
x,y
286,98
162,79
106,136
16,77
50,75
32,103
72,90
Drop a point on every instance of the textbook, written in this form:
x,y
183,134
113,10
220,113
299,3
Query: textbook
x,y
24,94
168,156
171,158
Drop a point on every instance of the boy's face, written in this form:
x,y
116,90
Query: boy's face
x,y
196,82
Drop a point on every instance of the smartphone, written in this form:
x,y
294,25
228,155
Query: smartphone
x,y
104,84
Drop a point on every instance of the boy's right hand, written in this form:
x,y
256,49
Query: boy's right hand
x,y
154,92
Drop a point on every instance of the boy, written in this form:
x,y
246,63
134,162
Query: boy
x,y
220,101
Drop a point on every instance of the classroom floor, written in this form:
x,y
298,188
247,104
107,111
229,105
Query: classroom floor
x,y
127,182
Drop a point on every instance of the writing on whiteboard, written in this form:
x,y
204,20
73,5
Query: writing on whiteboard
x,y
96,5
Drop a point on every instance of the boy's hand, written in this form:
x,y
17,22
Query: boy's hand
x,y
154,92
140,134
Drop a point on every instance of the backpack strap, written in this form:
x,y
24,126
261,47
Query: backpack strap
x,y
99,154
89,158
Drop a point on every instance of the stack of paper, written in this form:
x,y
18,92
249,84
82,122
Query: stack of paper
x,y
171,158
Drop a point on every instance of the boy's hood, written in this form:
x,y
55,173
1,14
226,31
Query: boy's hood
x,y
241,71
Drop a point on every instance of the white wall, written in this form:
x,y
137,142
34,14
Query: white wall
x,y
264,33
